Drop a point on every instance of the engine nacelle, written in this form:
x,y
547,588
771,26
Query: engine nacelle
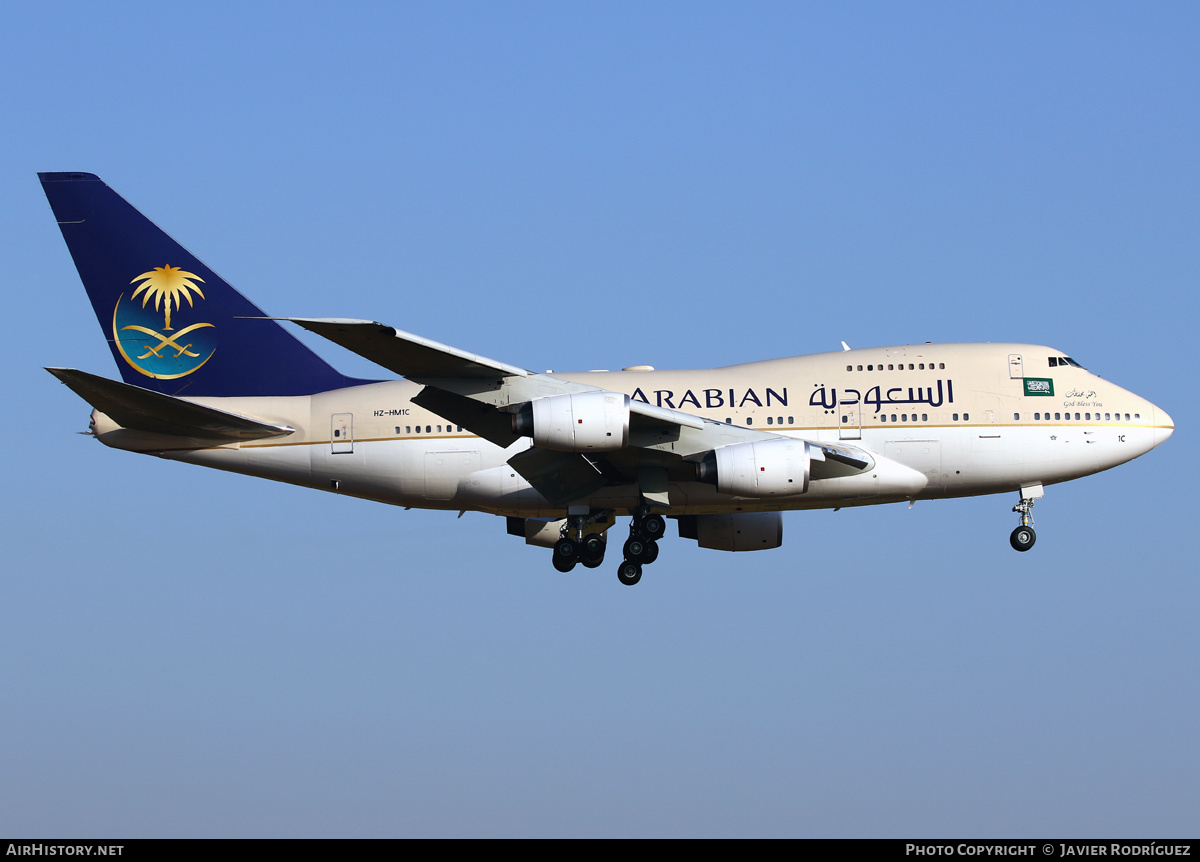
x,y
735,531
764,468
584,422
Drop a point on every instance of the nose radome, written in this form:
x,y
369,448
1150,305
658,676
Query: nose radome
x,y
1164,425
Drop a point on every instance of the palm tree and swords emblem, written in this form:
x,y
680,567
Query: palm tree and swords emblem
x,y
169,287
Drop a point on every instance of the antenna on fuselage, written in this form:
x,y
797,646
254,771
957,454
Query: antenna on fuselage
x,y
845,346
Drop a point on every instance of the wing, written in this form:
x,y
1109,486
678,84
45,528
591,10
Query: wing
x,y
584,437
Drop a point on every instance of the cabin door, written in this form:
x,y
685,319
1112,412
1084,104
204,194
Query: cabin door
x,y
341,434
849,421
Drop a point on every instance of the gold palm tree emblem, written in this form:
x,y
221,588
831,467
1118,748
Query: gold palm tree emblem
x,y
169,285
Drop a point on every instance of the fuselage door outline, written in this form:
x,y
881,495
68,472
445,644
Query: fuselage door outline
x,y
341,434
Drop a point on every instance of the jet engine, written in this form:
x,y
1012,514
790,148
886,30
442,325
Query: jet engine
x,y
583,422
763,468
735,531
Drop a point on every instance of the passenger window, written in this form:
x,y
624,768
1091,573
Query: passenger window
x,y
770,421
407,429
1016,417
860,368
941,365
849,367
955,417
903,417
966,417
924,417
791,421
883,418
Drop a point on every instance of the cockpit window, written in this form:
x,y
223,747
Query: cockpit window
x,y
1064,361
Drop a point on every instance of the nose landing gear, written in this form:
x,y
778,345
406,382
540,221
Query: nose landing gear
x,y
1023,537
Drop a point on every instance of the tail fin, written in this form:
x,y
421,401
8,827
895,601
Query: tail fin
x,y
174,325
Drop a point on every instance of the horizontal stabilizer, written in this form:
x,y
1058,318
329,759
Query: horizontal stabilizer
x,y
403,353
143,410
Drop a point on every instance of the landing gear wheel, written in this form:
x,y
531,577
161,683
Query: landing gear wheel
x,y
566,555
639,550
629,573
1022,538
592,552
653,527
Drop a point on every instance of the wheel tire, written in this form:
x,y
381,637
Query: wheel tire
x,y
1022,538
636,549
653,527
563,565
566,549
592,551
629,573
651,554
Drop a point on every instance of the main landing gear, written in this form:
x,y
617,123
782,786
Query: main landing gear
x,y
573,547
1023,537
641,548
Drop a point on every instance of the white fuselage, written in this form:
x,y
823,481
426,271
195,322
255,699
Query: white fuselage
x,y
968,418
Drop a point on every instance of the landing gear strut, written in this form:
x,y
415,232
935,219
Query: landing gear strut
x,y
1023,537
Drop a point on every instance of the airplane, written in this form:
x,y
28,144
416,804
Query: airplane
x,y
208,378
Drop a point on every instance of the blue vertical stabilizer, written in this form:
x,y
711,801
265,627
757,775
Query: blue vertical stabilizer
x,y
173,324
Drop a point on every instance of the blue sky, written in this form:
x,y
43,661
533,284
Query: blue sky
x,y
569,186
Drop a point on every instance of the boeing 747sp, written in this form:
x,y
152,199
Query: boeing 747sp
x,y
210,379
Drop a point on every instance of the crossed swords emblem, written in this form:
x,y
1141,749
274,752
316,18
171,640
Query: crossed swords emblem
x,y
166,341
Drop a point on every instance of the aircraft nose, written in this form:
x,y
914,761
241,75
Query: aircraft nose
x,y
1164,425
